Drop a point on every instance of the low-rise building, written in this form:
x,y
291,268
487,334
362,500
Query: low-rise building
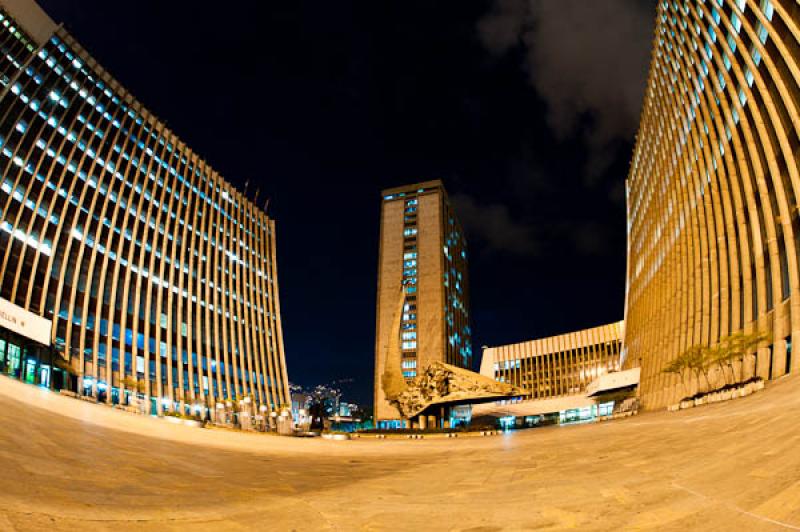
x,y
562,373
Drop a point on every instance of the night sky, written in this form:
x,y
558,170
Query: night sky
x,y
526,110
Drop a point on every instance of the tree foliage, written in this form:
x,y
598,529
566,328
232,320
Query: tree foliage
x,y
699,359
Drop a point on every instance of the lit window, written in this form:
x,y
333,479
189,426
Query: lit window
x,y
762,33
767,8
756,56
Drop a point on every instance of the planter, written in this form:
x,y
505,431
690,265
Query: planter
x,y
728,395
337,437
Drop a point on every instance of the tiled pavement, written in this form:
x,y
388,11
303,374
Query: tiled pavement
x,y
67,464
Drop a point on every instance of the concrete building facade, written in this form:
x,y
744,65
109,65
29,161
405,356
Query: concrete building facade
x,y
423,252
712,192
556,370
149,275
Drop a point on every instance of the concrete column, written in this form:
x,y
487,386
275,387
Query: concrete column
x,y
762,363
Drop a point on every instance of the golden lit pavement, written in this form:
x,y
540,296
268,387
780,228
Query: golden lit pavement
x,y
66,464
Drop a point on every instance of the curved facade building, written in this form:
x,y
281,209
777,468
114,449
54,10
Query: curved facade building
x,y
148,271
713,189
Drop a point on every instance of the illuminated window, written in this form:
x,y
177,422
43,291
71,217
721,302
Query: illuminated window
x,y
767,8
762,33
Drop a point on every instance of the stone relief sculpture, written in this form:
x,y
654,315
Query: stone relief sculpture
x,y
439,383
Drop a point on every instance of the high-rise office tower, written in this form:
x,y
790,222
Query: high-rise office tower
x,y
128,266
713,192
423,259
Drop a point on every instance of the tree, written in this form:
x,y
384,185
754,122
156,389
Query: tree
x,y
697,360
677,366
135,385
751,343
744,344
721,355
63,364
739,346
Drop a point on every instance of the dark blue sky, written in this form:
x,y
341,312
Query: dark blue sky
x,y
526,109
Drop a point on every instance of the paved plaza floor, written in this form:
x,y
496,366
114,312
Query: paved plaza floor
x,y
69,465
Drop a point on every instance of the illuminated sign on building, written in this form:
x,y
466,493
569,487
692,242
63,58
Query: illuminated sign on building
x,y
20,321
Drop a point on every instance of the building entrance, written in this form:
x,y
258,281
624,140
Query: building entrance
x,y
44,375
10,355
29,362
29,375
